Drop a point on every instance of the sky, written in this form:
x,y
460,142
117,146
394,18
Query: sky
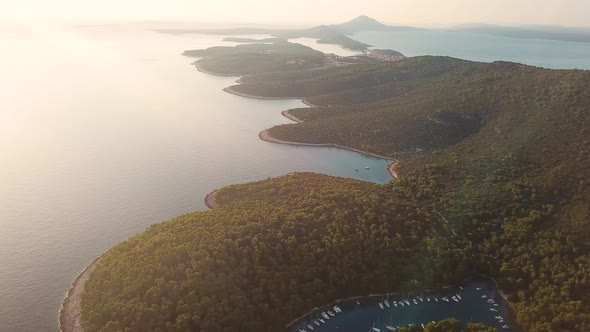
x,y
307,12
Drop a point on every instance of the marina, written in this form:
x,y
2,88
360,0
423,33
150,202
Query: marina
x,y
477,302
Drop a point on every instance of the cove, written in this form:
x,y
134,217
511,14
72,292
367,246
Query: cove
x,y
480,302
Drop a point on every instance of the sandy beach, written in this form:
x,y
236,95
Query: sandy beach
x,y
70,312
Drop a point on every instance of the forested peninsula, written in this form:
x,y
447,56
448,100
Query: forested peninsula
x,y
499,150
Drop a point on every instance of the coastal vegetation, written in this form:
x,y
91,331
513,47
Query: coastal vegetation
x,y
495,153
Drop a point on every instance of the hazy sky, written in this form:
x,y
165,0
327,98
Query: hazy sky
x,y
419,12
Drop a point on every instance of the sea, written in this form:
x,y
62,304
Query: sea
x,y
106,129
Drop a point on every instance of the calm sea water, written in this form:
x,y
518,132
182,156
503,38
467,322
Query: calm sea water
x,y
471,308
481,47
107,130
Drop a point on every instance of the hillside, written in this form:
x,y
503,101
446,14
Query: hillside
x,y
503,156
336,34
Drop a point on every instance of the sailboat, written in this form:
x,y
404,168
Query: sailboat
x,y
387,301
375,329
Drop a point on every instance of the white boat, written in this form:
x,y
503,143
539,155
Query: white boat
x,y
505,326
337,309
357,302
459,297
428,298
407,302
402,304
376,329
478,288
310,327
386,303
301,330
414,300
322,321
436,299
331,313
494,310
325,315
422,325
496,305
484,296
461,288
455,299
367,167
390,328
395,304
381,306
316,322
445,299
421,299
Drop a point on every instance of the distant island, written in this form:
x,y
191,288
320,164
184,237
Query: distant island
x,y
493,180
337,34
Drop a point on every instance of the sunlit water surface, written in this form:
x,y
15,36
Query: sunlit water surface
x,y
106,130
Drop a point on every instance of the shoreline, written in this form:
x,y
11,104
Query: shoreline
x,y
70,313
210,201
265,136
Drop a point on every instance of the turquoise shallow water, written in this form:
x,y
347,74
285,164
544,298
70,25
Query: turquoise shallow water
x,y
364,315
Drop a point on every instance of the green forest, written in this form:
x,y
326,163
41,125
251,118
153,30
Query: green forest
x,y
500,150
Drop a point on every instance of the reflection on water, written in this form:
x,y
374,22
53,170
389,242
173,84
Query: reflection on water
x,y
105,130
476,302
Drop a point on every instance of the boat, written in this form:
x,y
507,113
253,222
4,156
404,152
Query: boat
x,y
436,299
505,327
322,321
337,309
455,299
315,321
422,325
428,298
390,328
367,167
421,299
325,315
386,303
301,330
494,310
461,288
376,329
407,302
496,305
310,327
484,296
357,302
402,303
381,306
331,313
459,297
414,300
395,304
